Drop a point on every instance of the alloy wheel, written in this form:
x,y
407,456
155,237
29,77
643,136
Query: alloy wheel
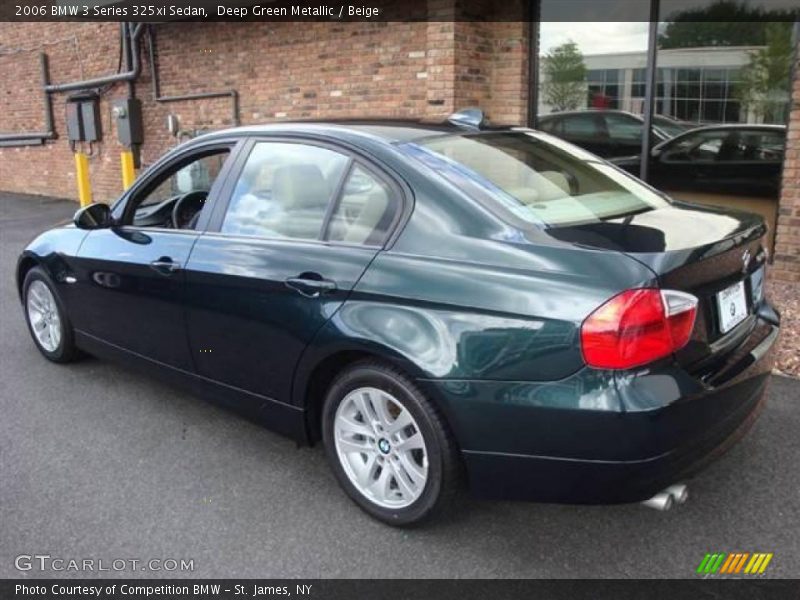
x,y
381,448
43,316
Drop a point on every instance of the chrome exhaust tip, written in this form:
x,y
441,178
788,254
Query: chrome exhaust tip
x,y
661,501
679,492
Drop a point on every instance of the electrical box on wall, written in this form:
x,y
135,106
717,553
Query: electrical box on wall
x,y
127,113
83,118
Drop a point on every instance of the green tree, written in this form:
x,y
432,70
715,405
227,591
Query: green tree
x,y
564,86
764,86
722,23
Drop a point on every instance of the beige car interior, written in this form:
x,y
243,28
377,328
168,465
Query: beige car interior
x,y
291,201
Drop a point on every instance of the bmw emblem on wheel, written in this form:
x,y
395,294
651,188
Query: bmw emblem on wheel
x,y
383,446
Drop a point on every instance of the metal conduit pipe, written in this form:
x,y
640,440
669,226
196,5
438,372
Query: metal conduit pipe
x,y
35,137
130,39
131,75
232,93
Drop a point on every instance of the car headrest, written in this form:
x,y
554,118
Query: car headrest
x,y
300,186
557,179
369,218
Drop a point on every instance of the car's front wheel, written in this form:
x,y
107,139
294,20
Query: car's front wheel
x,y
46,317
388,446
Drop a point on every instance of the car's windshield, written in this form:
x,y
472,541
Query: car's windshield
x,y
535,177
670,127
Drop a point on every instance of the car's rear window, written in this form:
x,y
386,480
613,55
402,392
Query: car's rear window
x,y
535,177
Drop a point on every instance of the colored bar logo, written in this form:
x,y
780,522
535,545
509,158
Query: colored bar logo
x,y
739,563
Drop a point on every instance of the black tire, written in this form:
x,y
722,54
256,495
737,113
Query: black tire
x,y
444,474
66,351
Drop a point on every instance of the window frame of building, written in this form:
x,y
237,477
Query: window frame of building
x,y
676,105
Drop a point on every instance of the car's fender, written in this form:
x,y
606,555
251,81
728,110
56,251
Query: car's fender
x,y
51,250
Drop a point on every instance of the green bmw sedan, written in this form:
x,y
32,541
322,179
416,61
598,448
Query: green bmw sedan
x,y
444,307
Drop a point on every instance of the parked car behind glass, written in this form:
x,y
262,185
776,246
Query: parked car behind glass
x,y
741,160
607,133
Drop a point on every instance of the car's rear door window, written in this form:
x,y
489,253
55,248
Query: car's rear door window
x,y
584,126
365,211
295,190
551,125
760,146
284,191
623,128
700,146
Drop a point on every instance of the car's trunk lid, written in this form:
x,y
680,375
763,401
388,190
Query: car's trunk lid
x,y
696,249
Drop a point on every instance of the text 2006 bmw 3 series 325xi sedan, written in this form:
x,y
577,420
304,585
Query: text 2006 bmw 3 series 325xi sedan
x,y
442,306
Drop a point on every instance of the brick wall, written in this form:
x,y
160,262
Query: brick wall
x,y
280,70
787,240
74,51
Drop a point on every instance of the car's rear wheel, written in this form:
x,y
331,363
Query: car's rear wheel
x,y
388,445
46,317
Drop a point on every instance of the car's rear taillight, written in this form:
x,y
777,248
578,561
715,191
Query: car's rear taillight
x,y
636,327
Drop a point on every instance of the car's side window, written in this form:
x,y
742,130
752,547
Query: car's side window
x,y
582,126
365,210
284,191
551,126
185,184
760,146
702,146
623,129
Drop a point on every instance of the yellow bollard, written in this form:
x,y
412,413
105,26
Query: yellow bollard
x,y
82,176
128,170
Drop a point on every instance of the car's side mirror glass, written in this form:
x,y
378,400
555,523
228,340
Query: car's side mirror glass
x,y
94,216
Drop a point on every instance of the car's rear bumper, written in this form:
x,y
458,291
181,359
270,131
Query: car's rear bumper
x,y
601,437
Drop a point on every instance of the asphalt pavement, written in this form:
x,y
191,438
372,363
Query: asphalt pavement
x,y
99,462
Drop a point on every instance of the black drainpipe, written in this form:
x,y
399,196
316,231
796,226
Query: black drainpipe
x,y
232,93
128,51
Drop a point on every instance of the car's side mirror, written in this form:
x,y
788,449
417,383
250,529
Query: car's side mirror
x,y
655,152
94,216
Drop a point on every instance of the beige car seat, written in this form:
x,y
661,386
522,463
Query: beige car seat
x,y
369,217
303,193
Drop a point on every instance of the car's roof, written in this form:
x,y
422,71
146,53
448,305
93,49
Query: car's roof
x,y
765,126
722,127
725,127
567,113
388,130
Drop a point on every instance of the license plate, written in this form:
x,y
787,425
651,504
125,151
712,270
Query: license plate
x,y
732,307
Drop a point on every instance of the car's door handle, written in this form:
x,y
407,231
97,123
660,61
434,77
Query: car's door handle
x,y
311,285
165,265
